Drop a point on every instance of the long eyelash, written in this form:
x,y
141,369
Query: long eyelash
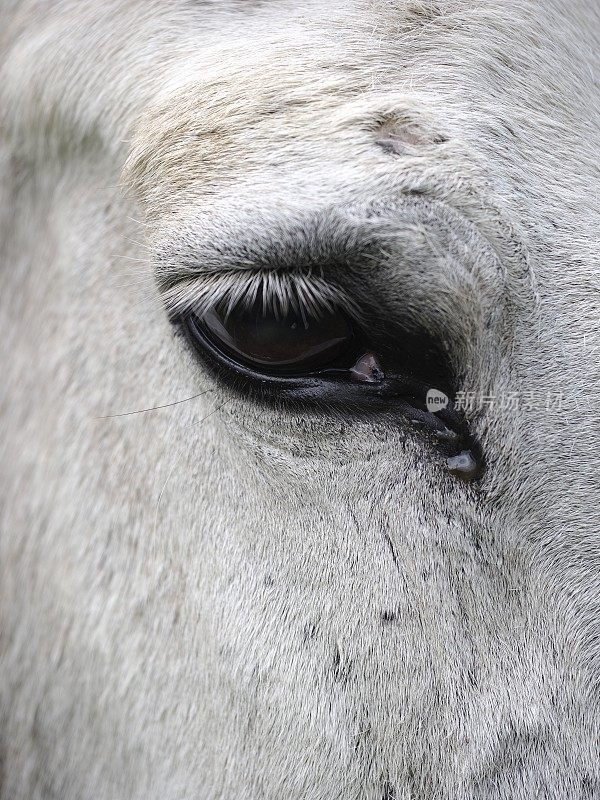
x,y
303,293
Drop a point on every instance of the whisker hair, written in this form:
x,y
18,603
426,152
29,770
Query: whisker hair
x,y
154,408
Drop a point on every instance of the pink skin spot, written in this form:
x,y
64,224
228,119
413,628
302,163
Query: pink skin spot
x,y
367,369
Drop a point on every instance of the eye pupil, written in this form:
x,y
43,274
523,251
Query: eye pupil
x,y
288,344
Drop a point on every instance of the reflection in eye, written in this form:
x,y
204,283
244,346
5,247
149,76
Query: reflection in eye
x,y
281,344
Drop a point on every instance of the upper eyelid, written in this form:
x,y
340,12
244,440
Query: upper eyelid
x,y
234,240
279,291
230,255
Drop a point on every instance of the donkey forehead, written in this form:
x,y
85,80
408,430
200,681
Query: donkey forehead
x,y
264,105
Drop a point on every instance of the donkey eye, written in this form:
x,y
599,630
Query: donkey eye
x,y
278,344
327,361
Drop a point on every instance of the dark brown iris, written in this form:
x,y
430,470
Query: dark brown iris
x,y
277,343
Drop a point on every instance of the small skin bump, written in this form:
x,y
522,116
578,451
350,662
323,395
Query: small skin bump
x,y
398,145
402,136
394,145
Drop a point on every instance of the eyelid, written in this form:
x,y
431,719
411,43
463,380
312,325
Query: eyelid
x,y
226,252
281,291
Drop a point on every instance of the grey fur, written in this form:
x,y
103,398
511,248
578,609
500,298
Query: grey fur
x,y
212,600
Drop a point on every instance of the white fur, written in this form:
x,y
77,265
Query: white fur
x,y
215,600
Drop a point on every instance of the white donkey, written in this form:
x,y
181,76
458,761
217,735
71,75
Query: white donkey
x,y
244,553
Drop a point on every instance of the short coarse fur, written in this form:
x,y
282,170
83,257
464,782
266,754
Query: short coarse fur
x,y
219,600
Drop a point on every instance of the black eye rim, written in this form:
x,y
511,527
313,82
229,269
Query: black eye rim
x,y
307,388
234,370
329,386
330,389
